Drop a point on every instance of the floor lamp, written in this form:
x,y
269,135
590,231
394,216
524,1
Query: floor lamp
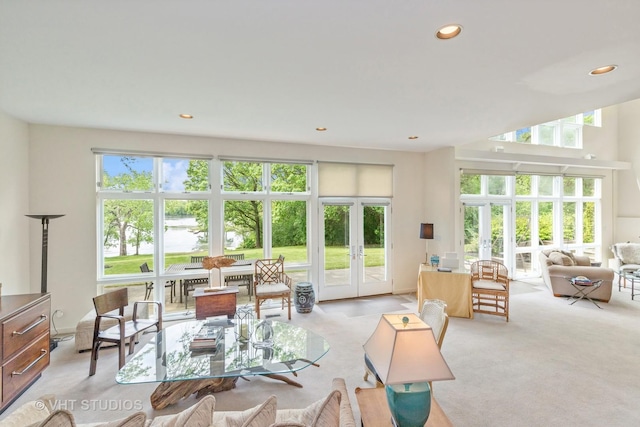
x,y
45,241
426,232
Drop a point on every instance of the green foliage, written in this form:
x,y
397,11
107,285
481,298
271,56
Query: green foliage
x,y
128,221
288,178
469,184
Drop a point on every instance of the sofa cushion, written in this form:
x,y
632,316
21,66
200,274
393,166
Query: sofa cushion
x,y
560,258
59,418
138,419
198,415
322,413
262,415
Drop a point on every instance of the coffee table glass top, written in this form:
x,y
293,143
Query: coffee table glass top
x,y
167,356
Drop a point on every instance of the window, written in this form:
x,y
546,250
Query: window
x,y
548,211
565,132
266,209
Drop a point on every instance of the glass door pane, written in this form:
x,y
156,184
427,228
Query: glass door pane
x,y
472,241
338,254
373,251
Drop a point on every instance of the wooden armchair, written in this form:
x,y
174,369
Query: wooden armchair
x,y
106,305
271,282
490,288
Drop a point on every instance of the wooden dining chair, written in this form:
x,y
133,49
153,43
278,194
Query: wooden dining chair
x,y
111,306
270,281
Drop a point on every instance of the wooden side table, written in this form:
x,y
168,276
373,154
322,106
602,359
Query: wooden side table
x,y
215,303
374,410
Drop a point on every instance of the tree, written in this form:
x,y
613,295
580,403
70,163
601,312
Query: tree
x,y
128,221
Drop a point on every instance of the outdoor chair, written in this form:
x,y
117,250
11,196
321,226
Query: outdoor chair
x,y
239,279
106,306
490,288
271,282
148,286
189,285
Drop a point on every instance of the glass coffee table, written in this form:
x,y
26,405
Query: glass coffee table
x,y
168,360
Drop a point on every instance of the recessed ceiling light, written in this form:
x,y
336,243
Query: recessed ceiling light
x,y
186,116
413,137
449,31
602,70
321,129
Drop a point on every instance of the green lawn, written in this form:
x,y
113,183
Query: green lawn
x,y
336,258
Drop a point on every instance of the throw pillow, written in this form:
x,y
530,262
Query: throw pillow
x,y
559,258
198,415
262,415
322,413
60,418
138,419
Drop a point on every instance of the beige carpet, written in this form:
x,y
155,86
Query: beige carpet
x,y
553,364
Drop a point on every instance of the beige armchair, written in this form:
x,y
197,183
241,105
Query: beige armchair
x,y
627,256
558,266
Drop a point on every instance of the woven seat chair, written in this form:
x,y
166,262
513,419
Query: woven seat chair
x,y
433,313
490,288
271,282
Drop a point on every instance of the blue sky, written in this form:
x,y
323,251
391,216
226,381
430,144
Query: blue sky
x,y
174,171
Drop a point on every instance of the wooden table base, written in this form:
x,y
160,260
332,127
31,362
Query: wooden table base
x,y
171,392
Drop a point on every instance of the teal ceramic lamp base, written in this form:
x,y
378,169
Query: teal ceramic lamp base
x,y
409,404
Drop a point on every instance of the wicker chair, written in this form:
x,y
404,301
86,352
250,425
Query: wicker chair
x,y
490,288
271,282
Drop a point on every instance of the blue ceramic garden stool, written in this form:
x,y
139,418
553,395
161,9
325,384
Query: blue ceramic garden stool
x,y
304,298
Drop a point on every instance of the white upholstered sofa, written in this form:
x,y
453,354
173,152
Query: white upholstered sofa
x,y
558,266
333,410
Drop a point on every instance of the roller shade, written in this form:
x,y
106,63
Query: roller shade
x,y
354,180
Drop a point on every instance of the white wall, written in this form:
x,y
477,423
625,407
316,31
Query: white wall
x,y
14,203
62,171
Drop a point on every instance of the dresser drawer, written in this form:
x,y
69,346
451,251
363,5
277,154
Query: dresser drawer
x,y
18,331
22,369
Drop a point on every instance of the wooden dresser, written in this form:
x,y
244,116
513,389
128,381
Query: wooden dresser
x,y
24,349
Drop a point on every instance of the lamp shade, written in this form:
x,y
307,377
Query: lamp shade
x,y
426,231
406,353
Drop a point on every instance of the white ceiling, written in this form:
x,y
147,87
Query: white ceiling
x,y
371,71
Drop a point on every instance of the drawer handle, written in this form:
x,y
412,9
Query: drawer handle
x,y
43,318
43,354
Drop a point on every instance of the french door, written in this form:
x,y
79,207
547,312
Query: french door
x,y
487,231
354,248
